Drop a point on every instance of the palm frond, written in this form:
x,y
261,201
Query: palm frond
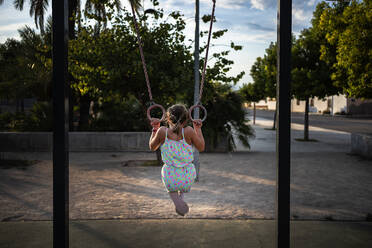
x,y
150,11
136,5
18,4
37,10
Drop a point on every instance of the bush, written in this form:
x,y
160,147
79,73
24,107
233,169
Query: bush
x,y
5,120
119,115
40,118
226,118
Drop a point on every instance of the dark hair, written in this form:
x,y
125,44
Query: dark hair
x,y
177,114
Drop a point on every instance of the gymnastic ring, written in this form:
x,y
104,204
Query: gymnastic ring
x,y
155,106
197,106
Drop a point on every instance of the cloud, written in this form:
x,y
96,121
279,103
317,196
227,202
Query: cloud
x,y
272,4
259,27
298,14
263,4
182,4
227,4
13,27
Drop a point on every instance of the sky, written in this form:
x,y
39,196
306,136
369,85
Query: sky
x,y
251,23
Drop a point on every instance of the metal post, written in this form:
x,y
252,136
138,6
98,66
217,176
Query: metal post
x,y
60,125
284,32
196,87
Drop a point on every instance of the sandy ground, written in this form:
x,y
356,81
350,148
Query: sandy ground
x,y
326,183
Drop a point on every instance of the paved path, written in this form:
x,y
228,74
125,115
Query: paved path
x,y
340,123
187,233
326,183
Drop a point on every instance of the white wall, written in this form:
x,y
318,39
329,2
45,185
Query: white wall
x,y
339,104
319,106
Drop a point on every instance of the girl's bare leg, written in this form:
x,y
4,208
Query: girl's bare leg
x,y
181,206
181,196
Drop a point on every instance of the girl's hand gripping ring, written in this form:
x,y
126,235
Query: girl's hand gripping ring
x,y
155,106
200,107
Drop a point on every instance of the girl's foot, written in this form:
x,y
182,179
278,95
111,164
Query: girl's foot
x,y
181,206
181,196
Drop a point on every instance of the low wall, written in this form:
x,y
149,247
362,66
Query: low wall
x,y
79,141
361,144
85,142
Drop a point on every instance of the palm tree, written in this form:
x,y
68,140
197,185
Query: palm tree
x,y
39,7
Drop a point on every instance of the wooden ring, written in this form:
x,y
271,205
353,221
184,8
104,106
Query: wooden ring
x,y
155,106
197,106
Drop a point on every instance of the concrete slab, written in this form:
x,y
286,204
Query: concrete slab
x,y
187,233
327,140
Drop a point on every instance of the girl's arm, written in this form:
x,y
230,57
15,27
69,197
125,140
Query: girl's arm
x,y
197,136
157,135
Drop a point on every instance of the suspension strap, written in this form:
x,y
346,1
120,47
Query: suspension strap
x,y
206,54
141,52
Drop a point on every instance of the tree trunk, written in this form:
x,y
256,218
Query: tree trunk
x,y
254,113
306,122
274,123
84,113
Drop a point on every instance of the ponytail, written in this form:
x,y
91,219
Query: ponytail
x,y
177,115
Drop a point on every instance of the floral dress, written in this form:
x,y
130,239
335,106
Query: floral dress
x,y
178,172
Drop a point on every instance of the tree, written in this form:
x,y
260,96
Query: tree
x,y
107,70
346,28
24,67
263,72
252,93
311,77
112,66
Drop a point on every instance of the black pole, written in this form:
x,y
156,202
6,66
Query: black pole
x,y
283,131
60,125
197,82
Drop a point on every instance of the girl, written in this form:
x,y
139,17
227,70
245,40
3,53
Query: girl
x,y
178,172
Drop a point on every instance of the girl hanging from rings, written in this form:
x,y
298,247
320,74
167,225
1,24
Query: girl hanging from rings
x,y
178,172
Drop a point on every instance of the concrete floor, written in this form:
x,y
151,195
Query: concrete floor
x,y
187,233
112,205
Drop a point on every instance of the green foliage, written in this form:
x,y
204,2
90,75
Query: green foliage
x,y
106,68
311,76
251,92
25,67
346,28
116,114
226,116
263,73
40,118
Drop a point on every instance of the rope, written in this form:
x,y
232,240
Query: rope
x,y
206,54
141,53
143,57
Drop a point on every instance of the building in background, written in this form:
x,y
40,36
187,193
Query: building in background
x,y
334,105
